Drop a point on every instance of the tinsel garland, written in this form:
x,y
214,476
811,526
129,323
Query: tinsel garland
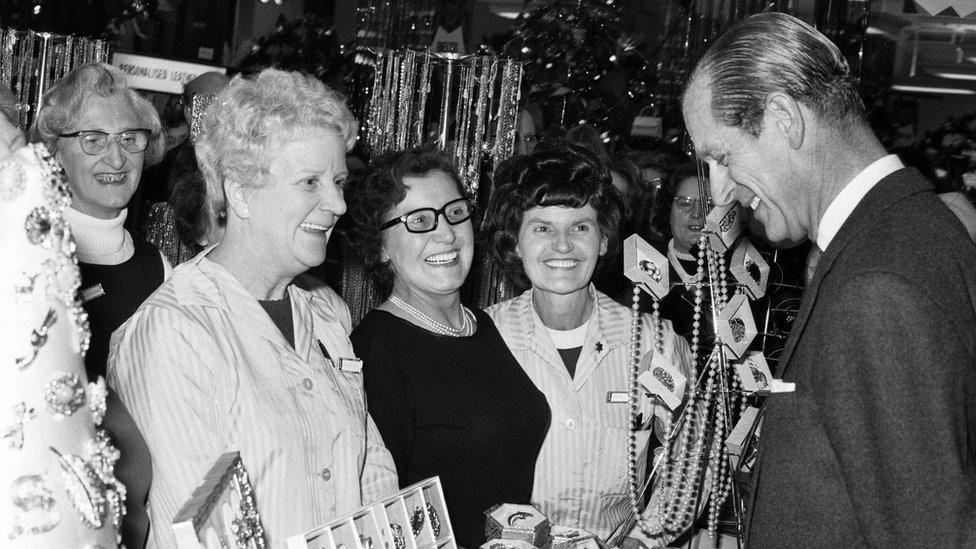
x,y
31,61
402,109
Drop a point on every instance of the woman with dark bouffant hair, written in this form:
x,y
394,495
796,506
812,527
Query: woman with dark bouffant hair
x,y
446,393
553,217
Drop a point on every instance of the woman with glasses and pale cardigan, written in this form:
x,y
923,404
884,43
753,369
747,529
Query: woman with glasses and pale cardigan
x,y
103,133
446,393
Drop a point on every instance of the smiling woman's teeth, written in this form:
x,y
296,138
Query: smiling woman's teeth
x,y
561,263
313,228
110,178
440,259
755,203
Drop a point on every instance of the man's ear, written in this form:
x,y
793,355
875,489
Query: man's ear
x,y
236,196
784,116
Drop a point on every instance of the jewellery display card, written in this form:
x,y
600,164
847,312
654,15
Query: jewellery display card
x,y
370,534
419,522
738,442
646,267
222,511
736,326
399,521
413,518
723,225
750,269
662,379
754,372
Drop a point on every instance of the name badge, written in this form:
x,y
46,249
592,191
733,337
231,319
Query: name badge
x,y
350,365
618,397
92,292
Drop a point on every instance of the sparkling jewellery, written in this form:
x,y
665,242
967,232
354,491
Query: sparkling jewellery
x,y
65,394
398,541
435,521
97,395
37,340
36,511
13,180
417,520
467,323
14,435
517,516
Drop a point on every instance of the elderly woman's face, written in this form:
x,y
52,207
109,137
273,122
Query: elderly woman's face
x,y
687,217
434,262
559,247
290,217
102,183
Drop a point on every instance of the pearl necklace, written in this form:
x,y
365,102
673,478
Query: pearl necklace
x,y
467,323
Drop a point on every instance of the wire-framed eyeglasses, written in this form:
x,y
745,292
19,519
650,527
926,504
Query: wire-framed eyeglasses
x,y
686,203
96,142
424,220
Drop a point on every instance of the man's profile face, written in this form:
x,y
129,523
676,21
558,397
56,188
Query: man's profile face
x,y
751,171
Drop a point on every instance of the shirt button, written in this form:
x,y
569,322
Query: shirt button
x,y
307,383
571,424
326,474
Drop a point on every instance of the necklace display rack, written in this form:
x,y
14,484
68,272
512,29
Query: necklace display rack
x,y
703,444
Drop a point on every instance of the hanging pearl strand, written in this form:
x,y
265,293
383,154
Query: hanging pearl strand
x,y
635,358
467,322
681,478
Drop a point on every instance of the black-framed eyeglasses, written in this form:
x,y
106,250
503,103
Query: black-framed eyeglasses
x,y
686,203
424,220
96,142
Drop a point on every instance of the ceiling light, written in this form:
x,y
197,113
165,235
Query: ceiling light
x,y
932,89
955,75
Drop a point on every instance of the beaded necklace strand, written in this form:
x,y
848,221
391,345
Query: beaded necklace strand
x,y
467,323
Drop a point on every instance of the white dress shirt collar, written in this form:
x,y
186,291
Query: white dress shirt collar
x,y
851,195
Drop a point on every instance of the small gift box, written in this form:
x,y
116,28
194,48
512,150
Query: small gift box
x,y
509,521
565,537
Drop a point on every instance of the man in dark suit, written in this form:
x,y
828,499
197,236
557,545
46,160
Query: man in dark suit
x,y
876,444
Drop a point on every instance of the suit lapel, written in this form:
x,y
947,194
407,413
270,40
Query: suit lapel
x,y
887,192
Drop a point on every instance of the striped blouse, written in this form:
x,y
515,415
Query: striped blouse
x,y
203,370
581,473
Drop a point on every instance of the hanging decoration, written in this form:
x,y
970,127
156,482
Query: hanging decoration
x,y
467,105
31,61
580,64
306,44
394,24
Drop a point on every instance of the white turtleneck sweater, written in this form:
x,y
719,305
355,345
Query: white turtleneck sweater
x,y
103,241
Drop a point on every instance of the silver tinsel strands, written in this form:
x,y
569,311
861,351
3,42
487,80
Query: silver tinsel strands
x,y
508,105
422,92
422,97
31,61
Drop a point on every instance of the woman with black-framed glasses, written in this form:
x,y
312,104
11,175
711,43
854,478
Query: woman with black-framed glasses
x,y
446,393
103,133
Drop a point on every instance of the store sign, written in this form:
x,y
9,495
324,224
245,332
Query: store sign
x,y
160,75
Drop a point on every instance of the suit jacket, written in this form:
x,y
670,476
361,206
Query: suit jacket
x,y
877,445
